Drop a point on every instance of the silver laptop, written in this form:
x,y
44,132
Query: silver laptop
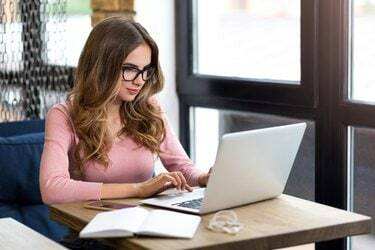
x,y
250,166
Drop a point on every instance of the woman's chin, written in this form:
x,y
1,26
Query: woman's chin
x,y
128,98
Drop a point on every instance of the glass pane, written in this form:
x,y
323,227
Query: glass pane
x,y
362,183
210,124
70,36
11,48
363,53
248,39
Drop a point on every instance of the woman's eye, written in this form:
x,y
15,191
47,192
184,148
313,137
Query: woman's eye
x,y
130,70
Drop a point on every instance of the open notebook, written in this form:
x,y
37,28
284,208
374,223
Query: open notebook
x,y
139,221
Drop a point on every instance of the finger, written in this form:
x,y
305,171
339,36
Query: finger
x,y
188,188
161,189
178,179
183,180
167,178
166,187
163,183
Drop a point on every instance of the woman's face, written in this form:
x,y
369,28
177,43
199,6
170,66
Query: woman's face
x,y
138,60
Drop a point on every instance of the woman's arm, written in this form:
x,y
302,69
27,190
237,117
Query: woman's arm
x,y
144,189
175,159
56,186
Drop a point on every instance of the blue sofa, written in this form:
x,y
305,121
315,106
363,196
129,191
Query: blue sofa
x,y
21,145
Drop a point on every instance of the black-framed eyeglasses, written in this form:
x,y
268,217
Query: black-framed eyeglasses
x,y
130,73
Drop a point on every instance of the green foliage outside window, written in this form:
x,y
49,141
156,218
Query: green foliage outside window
x,y
78,7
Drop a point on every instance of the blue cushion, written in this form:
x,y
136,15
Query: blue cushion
x,y
19,184
19,168
21,127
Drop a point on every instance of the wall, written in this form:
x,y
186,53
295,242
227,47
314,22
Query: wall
x,y
157,16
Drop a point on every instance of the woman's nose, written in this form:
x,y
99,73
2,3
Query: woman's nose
x,y
139,80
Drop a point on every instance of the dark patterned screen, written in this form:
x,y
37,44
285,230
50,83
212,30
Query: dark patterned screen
x,y
33,71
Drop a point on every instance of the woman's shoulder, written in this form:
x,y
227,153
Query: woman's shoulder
x,y
59,111
59,122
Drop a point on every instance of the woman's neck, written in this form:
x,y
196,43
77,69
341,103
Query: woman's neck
x,y
113,112
114,123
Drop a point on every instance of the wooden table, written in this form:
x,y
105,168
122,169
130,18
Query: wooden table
x,y
276,223
14,235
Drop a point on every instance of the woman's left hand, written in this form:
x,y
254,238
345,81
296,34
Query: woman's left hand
x,y
203,179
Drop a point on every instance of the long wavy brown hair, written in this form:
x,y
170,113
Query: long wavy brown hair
x,y
96,85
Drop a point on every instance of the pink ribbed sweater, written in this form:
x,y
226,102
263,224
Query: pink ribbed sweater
x,y
129,163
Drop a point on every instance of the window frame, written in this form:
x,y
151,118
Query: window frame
x,y
251,90
321,97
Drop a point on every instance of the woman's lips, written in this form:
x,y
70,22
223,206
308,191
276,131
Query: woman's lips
x,y
133,91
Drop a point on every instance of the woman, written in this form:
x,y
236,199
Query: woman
x,y
103,141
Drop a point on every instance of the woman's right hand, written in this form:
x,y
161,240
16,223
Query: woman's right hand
x,y
161,183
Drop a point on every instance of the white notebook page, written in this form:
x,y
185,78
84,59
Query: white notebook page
x,y
168,223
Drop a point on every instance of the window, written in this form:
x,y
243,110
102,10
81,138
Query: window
x,y
69,36
363,51
361,187
78,28
335,91
248,39
208,126
32,58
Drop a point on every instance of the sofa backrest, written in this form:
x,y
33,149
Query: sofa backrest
x,y
21,146
21,127
19,164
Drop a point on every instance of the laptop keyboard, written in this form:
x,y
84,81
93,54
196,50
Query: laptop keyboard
x,y
194,204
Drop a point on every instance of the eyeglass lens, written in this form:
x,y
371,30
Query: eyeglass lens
x,y
131,73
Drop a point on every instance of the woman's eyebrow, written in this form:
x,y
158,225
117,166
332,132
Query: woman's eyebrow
x,y
135,66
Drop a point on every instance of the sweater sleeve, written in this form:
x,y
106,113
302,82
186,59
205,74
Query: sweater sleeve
x,y
56,186
174,157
